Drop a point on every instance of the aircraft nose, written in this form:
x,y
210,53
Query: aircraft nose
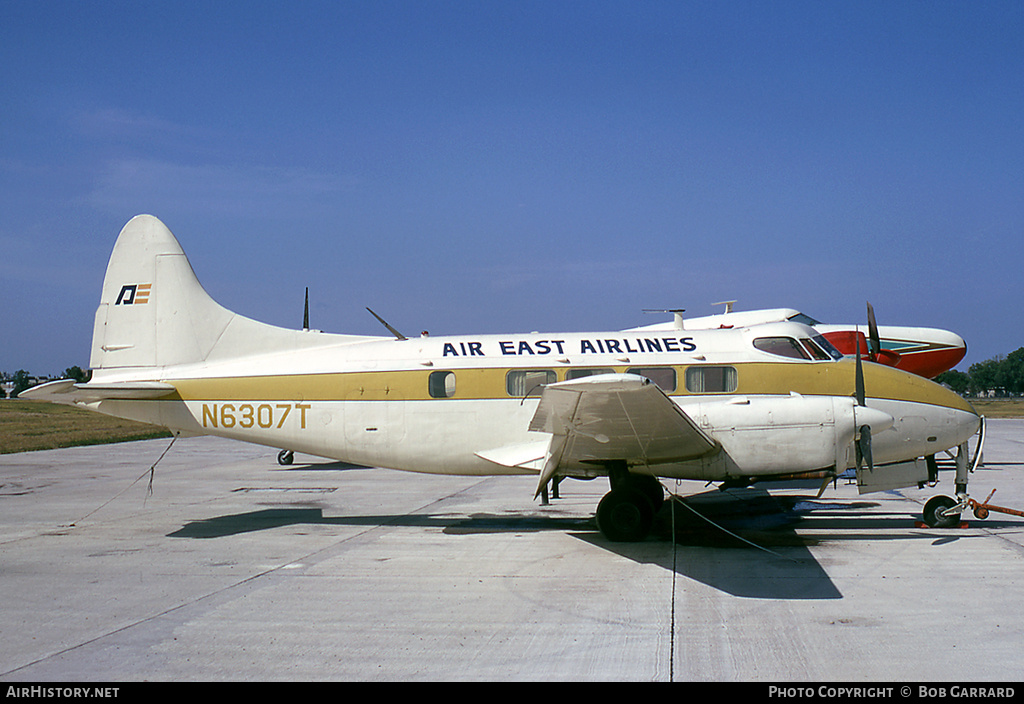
x,y
971,421
951,348
953,340
965,419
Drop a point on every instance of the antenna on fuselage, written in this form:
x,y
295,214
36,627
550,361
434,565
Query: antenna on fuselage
x,y
305,312
677,314
383,322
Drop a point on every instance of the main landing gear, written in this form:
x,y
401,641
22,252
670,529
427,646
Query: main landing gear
x,y
626,513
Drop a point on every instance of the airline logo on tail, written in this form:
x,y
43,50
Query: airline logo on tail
x,y
133,294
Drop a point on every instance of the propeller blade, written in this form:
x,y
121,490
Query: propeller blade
x,y
859,381
874,341
864,448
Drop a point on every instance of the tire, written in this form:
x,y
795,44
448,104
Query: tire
x,y
646,484
653,490
931,516
625,515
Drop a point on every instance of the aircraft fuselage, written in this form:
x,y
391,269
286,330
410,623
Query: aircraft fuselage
x,y
436,404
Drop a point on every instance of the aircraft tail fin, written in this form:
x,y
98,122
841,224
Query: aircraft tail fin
x,y
153,311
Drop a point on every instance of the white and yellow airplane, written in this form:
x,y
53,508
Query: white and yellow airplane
x,y
719,405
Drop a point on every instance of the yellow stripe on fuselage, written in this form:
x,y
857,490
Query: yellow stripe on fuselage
x,y
754,378
839,378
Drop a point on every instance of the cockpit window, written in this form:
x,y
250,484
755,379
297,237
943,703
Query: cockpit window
x,y
781,346
813,349
805,319
828,347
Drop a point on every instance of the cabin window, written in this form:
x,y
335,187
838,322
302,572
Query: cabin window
x,y
528,382
711,380
664,377
580,373
441,384
781,346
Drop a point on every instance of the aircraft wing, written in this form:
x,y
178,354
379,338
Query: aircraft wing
x,y
615,417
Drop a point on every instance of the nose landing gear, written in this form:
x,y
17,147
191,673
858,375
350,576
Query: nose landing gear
x,y
945,511
938,514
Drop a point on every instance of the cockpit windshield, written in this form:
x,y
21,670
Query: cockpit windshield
x,y
816,348
828,347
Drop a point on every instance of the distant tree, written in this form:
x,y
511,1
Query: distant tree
x,y
984,375
1011,372
77,374
959,381
1002,375
21,382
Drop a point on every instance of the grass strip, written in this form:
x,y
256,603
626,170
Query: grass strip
x,y
37,425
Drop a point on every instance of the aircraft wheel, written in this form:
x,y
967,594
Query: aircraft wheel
x,y
285,457
654,491
646,484
625,515
931,516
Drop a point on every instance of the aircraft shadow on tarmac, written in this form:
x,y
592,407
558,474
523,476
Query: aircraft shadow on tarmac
x,y
742,542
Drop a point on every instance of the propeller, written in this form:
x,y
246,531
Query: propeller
x,y
864,431
846,342
864,417
875,351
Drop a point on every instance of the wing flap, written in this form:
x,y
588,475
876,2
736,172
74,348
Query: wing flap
x,y
527,455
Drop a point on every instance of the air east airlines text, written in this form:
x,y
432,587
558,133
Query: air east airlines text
x,y
615,345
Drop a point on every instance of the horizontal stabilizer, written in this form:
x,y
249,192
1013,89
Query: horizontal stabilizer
x,y
69,391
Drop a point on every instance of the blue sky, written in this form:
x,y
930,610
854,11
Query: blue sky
x,y
472,167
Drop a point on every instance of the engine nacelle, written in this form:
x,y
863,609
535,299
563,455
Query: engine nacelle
x,y
786,434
